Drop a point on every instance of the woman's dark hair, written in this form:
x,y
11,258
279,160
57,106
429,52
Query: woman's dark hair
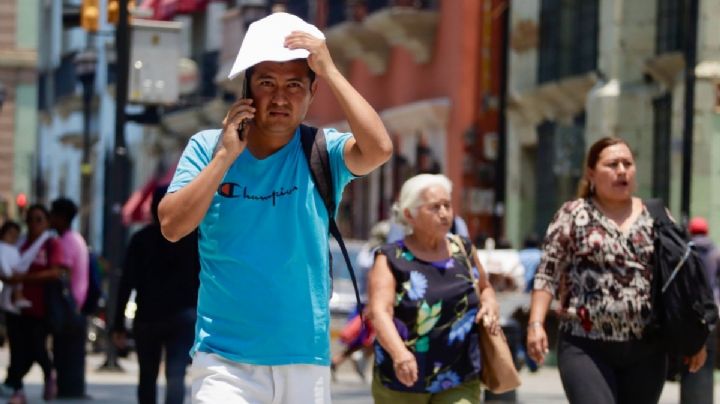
x,y
40,207
7,226
591,160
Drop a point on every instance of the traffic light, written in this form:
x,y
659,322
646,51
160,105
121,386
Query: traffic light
x,y
90,15
113,10
21,201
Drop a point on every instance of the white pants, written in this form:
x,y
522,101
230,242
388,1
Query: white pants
x,y
218,380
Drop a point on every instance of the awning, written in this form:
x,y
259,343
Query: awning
x,y
137,208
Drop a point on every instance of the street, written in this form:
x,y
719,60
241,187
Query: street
x,y
542,387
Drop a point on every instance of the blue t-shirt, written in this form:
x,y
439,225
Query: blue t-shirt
x,y
264,279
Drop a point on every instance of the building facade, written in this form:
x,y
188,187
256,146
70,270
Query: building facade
x,y
607,67
431,70
19,42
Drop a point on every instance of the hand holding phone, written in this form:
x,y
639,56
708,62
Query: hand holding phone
x,y
245,94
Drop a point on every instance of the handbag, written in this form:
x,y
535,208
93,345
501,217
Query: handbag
x,y
498,372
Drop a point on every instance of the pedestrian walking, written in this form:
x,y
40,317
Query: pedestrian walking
x,y
69,343
597,261
28,331
530,256
262,331
698,387
424,305
164,276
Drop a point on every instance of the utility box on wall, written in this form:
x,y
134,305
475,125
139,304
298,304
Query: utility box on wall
x,y
154,57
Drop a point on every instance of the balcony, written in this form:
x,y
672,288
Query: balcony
x,y
352,40
408,27
558,100
665,68
369,37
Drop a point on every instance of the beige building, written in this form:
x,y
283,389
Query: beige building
x,y
18,116
580,70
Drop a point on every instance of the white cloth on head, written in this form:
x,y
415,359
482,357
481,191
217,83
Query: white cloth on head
x,y
265,41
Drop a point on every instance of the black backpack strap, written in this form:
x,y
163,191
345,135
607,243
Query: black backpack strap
x,y
315,149
657,210
316,153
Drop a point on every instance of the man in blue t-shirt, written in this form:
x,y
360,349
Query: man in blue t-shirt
x,y
262,332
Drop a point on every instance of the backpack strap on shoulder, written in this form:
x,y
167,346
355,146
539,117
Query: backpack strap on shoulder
x,y
315,149
657,210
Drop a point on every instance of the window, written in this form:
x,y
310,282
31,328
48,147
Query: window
x,y
670,26
65,79
662,115
568,38
336,12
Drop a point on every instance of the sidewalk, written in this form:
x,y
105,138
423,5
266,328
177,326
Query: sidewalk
x,y
542,387
120,387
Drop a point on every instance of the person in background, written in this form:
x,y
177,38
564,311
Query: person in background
x,y
69,346
424,304
9,259
28,331
165,278
12,263
697,388
597,261
530,256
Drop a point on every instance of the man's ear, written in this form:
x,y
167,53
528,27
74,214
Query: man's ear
x,y
313,89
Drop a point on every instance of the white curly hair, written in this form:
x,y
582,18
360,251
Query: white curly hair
x,y
411,196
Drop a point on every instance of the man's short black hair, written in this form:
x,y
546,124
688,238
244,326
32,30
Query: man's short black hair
x,y
7,226
64,208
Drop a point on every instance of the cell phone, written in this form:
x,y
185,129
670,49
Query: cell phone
x,y
244,94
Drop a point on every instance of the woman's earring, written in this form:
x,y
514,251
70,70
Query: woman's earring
x,y
592,188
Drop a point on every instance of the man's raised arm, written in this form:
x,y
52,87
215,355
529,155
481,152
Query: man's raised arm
x,y
371,145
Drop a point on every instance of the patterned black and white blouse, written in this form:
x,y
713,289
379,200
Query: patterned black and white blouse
x,y
600,275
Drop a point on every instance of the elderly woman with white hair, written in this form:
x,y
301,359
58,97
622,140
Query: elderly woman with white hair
x,y
424,306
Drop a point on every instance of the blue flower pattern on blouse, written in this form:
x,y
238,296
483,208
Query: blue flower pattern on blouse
x,y
462,327
379,355
418,285
434,313
444,381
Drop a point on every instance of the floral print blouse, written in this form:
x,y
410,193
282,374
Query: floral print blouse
x,y
600,275
434,312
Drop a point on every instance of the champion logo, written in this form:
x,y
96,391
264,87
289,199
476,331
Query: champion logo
x,y
227,189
